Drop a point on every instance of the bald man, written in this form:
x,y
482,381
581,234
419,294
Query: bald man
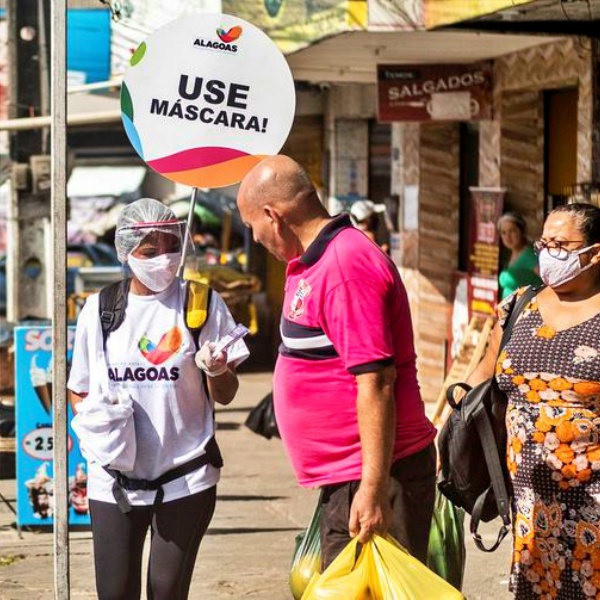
x,y
345,386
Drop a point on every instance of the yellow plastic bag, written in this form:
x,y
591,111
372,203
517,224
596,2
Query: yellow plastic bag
x,y
383,571
346,577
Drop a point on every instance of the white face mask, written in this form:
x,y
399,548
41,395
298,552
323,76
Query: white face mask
x,y
556,271
155,273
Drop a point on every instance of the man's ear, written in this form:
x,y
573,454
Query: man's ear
x,y
596,254
273,216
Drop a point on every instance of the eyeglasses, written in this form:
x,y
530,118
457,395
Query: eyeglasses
x,y
556,248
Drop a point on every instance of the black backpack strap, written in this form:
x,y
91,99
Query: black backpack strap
x,y
490,451
111,307
212,455
520,303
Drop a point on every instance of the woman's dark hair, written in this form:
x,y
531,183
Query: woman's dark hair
x,y
587,217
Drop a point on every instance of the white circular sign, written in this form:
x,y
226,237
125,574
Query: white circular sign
x,y
205,98
39,443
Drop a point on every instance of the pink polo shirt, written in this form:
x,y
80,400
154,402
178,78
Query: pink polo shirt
x,y
345,312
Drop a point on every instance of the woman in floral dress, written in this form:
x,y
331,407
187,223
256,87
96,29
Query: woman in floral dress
x,y
550,371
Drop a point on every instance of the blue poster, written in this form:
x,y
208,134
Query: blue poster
x,y
33,399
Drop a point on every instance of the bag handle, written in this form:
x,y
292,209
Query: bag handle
x,y
450,393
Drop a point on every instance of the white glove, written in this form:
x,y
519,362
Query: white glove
x,y
212,366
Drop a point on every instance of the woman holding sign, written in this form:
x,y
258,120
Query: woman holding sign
x,y
144,380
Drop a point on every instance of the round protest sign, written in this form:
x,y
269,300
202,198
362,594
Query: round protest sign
x,y
205,98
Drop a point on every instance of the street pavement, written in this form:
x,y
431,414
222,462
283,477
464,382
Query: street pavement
x,y
248,548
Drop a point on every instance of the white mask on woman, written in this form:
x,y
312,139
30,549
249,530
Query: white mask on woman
x,y
155,273
555,271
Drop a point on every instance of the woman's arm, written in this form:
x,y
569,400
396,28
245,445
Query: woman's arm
x,y
75,399
487,367
223,388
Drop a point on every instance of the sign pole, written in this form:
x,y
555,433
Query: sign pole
x,y
59,297
190,222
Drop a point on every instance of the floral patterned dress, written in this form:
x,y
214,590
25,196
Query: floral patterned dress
x,y
552,379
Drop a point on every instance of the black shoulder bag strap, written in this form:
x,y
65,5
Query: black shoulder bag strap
x,y
111,307
490,449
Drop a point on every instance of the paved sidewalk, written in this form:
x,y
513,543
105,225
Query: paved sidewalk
x,y
247,551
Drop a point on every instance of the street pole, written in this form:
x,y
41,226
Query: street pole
x,y
29,207
58,169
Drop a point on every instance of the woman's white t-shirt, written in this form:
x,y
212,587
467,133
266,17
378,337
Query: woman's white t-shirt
x,y
151,356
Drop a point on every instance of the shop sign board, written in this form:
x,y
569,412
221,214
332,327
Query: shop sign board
x,y
484,249
420,93
35,437
205,98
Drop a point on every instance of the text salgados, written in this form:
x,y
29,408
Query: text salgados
x,y
143,374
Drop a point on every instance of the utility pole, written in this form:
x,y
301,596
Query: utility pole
x,y
59,297
29,252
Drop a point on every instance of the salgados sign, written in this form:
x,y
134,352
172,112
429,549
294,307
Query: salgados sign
x,y
205,98
435,92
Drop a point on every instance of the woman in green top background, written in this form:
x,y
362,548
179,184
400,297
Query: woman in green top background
x,y
521,266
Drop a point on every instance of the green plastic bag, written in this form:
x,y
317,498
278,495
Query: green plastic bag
x,y
306,561
446,552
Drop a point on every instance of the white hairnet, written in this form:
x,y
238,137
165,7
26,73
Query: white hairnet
x,y
138,219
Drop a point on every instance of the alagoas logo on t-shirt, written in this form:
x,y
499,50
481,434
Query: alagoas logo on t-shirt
x,y
156,354
168,345
298,301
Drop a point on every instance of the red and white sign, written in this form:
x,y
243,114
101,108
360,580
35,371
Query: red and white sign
x,y
435,92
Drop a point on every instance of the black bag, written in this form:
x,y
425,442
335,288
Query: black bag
x,y
261,418
476,430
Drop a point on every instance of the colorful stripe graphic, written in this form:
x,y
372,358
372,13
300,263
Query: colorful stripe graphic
x,y
169,344
206,167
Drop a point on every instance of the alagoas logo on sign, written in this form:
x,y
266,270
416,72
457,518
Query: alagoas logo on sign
x,y
226,38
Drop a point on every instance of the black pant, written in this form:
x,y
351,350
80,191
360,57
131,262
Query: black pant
x,y
412,496
177,528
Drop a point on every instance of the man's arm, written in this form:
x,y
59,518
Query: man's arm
x,y
370,510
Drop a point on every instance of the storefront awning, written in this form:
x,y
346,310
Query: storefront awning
x,y
353,57
104,181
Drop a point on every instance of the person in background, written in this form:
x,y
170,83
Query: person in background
x,y
520,267
366,217
346,394
550,371
153,359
